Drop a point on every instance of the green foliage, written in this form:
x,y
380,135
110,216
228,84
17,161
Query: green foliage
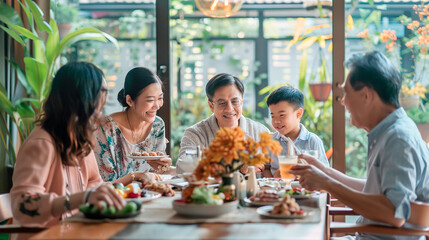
x,y
40,65
419,116
64,13
187,110
356,152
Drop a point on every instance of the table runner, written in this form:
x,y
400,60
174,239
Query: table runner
x,y
161,211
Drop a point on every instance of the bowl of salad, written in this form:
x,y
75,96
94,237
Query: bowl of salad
x,y
202,202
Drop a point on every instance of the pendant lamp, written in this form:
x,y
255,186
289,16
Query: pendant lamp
x,y
219,8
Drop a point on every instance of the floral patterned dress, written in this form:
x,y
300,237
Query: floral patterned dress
x,y
112,148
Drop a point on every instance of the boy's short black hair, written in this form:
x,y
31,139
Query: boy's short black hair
x,y
288,94
220,80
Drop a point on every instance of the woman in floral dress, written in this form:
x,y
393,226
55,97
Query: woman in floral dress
x,y
136,129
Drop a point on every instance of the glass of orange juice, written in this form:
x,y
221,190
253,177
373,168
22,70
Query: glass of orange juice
x,y
286,163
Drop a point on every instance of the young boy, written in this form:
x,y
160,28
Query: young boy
x,y
286,105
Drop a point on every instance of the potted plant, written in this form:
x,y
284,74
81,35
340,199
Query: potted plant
x,y
320,85
40,64
64,15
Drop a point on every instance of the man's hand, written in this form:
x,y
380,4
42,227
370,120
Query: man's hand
x,y
311,177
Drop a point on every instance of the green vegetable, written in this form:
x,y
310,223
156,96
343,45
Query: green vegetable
x,y
111,210
204,196
129,208
85,208
94,209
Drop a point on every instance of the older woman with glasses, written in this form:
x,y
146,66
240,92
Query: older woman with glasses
x,y
225,98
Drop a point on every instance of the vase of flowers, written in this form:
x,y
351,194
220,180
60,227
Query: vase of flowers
x,y
230,150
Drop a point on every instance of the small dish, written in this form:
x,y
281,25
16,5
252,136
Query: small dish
x,y
148,158
149,196
266,212
203,210
258,204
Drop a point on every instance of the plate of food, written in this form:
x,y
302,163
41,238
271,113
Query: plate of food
x,y
299,193
273,183
263,198
131,209
148,156
146,196
288,208
267,211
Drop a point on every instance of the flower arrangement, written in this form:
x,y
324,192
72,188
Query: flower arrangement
x,y
418,89
229,151
416,43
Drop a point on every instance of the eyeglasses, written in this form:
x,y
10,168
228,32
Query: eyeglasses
x,y
222,104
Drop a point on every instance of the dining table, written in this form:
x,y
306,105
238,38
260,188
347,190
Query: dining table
x,y
158,220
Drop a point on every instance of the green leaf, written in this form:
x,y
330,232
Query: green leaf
x,y
38,17
36,72
13,35
25,110
265,90
8,15
69,38
306,43
22,78
28,14
53,42
35,102
23,31
5,104
303,70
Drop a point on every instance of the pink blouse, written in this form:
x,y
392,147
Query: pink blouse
x,y
39,177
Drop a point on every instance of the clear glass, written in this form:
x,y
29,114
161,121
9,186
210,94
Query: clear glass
x,y
286,163
191,159
312,152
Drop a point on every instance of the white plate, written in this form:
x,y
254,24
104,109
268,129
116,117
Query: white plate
x,y
258,204
149,196
204,210
266,212
148,158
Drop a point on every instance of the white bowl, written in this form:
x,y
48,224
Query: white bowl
x,y
203,210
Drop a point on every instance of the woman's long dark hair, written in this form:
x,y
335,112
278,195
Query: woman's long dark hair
x,y
70,108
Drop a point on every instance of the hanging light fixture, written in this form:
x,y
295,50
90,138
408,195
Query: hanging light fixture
x,y
219,8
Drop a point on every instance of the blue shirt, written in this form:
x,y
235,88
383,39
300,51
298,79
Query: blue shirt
x,y
305,141
397,166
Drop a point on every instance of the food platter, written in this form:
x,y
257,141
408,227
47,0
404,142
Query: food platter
x,y
148,158
265,211
149,196
249,202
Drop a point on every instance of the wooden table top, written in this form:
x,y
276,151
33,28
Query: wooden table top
x,y
76,230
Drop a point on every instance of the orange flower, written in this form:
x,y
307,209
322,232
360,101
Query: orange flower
x,y
229,151
409,44
363,34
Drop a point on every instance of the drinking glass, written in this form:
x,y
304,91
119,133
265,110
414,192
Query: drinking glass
x,y
286,163
312,152
191,159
